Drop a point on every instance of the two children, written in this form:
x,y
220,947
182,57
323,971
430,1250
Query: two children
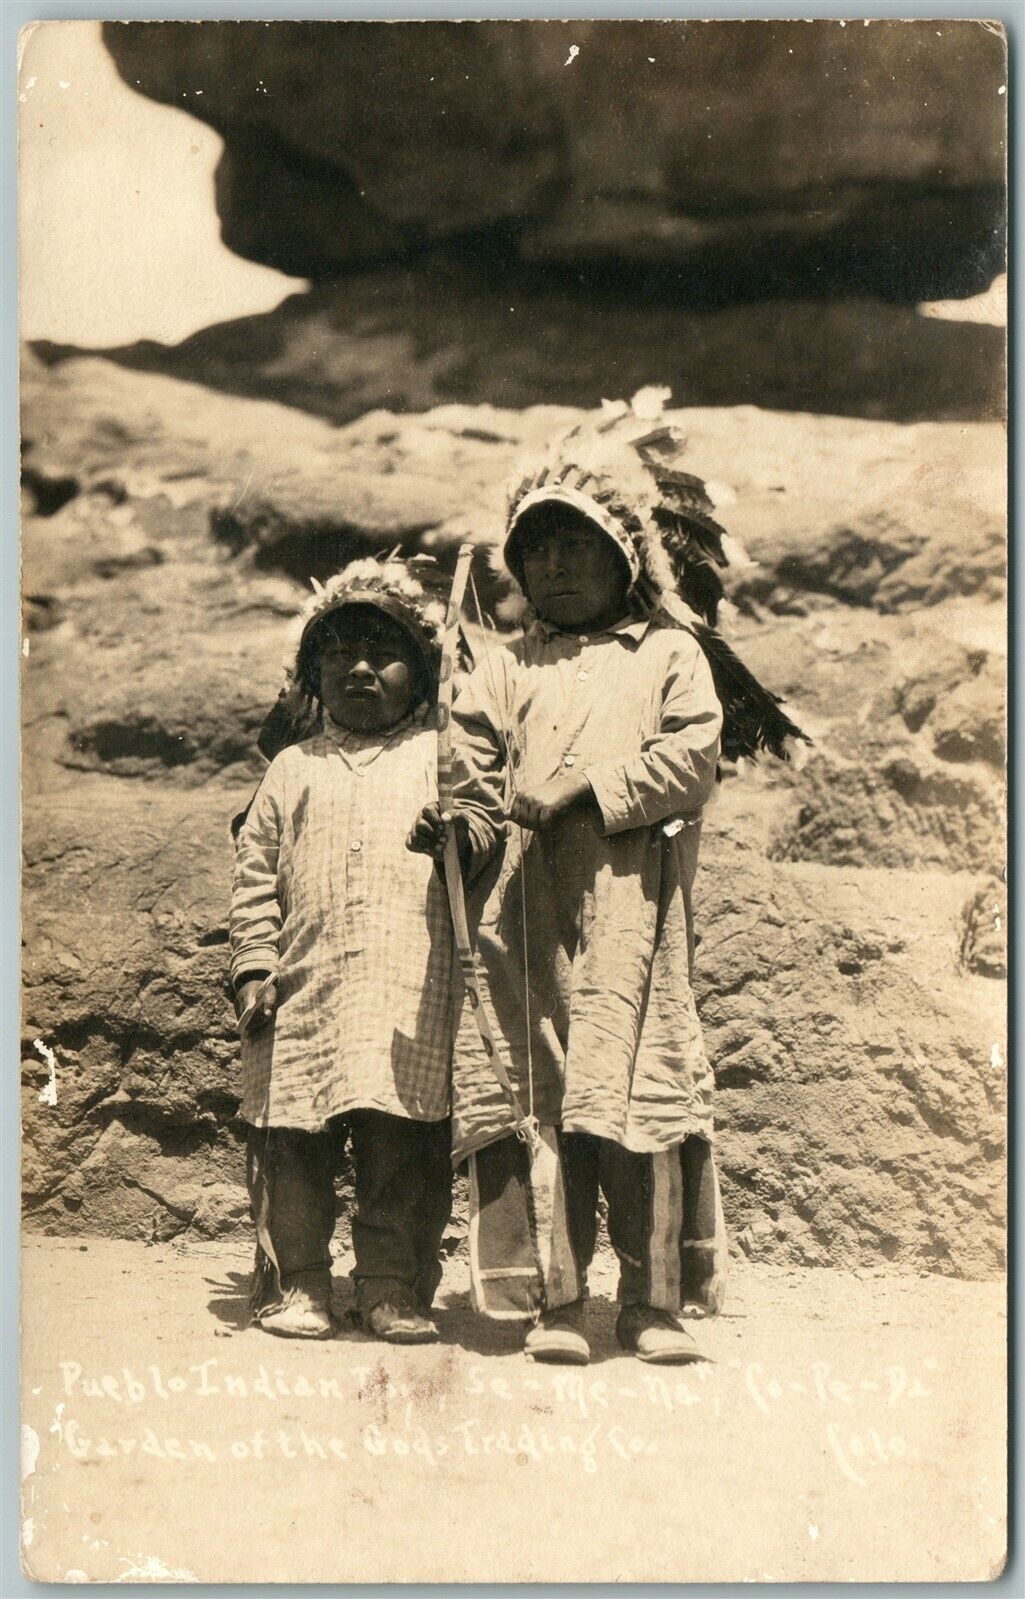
x,y
585,752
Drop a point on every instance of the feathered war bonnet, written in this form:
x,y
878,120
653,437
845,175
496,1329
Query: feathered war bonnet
x,y
411,592
620,468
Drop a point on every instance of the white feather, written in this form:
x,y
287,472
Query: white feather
x,y
649,403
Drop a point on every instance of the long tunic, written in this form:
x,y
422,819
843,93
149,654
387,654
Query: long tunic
x,y
604,893
355,929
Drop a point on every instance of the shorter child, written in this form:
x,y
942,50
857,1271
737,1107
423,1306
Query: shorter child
x,y
342,964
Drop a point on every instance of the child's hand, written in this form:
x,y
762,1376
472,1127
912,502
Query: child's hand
x,y
257,1000
536,807
428,834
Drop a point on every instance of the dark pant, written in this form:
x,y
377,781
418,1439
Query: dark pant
x,y
403,1181
648,1199
534,1223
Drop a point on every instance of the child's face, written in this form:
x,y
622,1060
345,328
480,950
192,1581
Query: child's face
x,y
573,575
369,668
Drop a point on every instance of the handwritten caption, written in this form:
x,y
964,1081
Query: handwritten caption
x,y
555,1416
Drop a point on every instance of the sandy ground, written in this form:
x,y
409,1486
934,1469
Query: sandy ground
x,y
840,1426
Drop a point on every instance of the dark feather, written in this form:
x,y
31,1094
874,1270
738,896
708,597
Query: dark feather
x,y
681,528
693,544
238,821
290,719
701,586
752,716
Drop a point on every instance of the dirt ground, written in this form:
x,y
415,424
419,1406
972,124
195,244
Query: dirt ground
x,y
841,1426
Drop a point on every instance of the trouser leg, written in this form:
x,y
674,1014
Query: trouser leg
x,y
578,1159
403,1200
534,1220
645,1197
290,1174
435,1209
704,1249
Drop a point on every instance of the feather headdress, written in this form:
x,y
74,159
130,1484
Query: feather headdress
x,y
412,592
622,469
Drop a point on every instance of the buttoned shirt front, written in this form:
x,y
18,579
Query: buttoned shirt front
x,y
355,929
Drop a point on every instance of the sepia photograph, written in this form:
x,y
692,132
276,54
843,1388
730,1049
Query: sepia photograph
x,y
514,645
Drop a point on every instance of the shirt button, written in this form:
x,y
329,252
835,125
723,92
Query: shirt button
x,y
569,760
582,676
356,846
585,638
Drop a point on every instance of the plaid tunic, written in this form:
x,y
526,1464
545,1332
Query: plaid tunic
x,y
615,1038
355,928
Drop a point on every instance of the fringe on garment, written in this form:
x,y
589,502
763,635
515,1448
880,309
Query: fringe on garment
x,y
265,1288
265,1285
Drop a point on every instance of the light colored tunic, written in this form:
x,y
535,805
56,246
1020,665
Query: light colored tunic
x,y
355,928
616,1044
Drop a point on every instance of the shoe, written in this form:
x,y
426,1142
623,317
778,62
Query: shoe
x,y
559,1337
394,1315
656,1336
299,1313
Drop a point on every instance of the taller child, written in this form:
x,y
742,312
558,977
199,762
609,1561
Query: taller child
x,y
598,733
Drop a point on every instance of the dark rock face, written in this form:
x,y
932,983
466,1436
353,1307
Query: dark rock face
x,y
758,153
442,329
850,911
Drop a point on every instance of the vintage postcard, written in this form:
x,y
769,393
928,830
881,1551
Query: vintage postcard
x,y
513,681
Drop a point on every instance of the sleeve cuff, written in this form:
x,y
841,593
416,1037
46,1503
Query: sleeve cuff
x,y
484,844
615,813
260,958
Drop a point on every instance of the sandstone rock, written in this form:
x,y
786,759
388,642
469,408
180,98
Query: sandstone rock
x,y
757,151
905,711
969,724
124,980
846,1076
872,559
893,806
179,448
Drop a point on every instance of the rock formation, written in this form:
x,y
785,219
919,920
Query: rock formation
x,y
850,911
757,153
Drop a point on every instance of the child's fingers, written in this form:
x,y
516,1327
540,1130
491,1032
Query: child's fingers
x,y
427,831
422,836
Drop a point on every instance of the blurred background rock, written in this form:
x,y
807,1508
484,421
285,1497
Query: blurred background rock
x,y
321,307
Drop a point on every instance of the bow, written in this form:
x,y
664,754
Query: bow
x,y
526,1125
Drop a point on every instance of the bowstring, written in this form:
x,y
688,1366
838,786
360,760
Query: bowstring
x,y
517,751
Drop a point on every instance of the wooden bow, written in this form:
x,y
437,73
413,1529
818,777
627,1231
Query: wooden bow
x,y
525,1126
